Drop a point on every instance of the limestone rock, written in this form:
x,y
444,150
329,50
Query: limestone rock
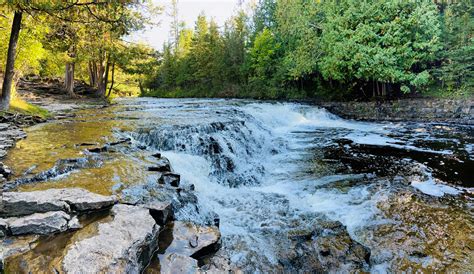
x,y
162,212
123,245
39,223
74,223
162,165
178,264
193,240
169,178
69,199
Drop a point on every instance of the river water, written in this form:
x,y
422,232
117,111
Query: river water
x,y
264,169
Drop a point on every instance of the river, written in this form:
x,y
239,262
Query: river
x,y
270,169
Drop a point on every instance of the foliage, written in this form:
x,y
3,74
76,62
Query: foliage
x,y
457,57
307,48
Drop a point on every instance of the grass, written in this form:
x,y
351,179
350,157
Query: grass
x,y
23,107
444,93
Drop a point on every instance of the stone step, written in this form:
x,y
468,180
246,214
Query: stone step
x,y
123,245
67,200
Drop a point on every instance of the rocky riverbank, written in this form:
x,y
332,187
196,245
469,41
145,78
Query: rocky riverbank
x,y
124,239
460,111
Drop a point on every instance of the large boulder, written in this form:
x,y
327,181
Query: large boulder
x,y
123,245
39,223
67,200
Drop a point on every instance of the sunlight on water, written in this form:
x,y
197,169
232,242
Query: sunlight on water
x,y
257,165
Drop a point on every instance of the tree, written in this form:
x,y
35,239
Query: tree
x,y
457,57
10,64
113,18
381,42
263,62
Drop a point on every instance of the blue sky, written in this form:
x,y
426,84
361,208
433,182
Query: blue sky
x,y
220,10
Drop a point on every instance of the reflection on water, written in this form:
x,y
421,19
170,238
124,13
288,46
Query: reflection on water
x,y
261,167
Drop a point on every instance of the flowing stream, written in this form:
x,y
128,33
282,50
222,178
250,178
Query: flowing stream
x,y
264,169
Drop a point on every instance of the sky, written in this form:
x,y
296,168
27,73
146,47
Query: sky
x,y
188,11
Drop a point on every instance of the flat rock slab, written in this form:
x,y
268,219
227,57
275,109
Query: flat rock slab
x,y
123,245
193,240
67,200
178,264
39,223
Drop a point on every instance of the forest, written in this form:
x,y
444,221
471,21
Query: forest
x,y
272,49
286,49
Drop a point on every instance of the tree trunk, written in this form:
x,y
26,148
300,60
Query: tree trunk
x,y
10,66
93,74
69,79
104,72
142,90
112,81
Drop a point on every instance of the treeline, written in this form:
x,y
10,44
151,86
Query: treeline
x,y
307,48
79,39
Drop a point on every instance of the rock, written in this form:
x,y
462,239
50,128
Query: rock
x,y
169,178
163,165
74,223
123,245
26,203
220,264
162,212
98,149
156,155
3,227
39,223
82,200
69,199
61,167
5,171
193,240
20,245
178,264
329,248
336,247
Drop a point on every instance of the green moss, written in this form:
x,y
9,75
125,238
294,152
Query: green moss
x,y
20,106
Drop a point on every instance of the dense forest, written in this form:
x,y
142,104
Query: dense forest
x,y
330,49
278,49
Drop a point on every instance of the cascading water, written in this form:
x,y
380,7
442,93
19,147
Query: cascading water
x,y
252,164
262,168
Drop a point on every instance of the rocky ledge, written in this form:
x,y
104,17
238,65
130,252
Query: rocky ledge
x,y
123,240
430,110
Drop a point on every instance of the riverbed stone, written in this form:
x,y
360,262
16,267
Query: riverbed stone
x,y
68,199
194,240
5,170
162,212
3,227
162,165
39,223
174,263
20,245
169,178
123,245
74,223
